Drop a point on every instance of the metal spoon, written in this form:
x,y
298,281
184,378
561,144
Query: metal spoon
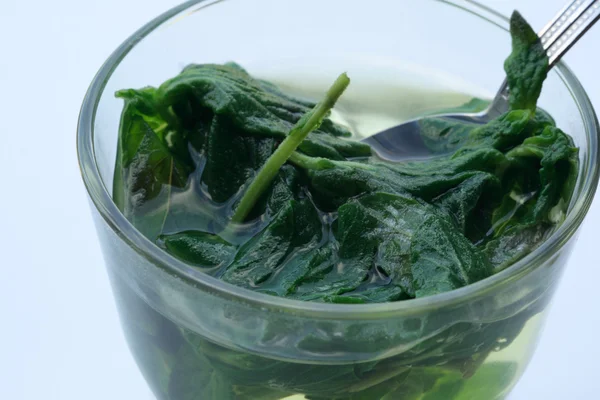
x,y
405,141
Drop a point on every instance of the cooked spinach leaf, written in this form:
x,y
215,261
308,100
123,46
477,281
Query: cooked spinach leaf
x,y
527,66
148,164
199,248
295,228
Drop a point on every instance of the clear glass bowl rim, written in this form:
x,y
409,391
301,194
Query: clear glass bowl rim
x,y
102,200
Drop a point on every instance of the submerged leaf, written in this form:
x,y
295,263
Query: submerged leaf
x,y
146,167
296,226
199,249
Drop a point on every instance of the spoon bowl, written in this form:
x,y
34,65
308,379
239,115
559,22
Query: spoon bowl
x,y
407,141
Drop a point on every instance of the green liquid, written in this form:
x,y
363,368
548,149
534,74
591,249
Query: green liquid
x,y
373,105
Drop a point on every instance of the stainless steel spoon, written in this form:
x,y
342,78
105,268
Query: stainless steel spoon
x,y
405,141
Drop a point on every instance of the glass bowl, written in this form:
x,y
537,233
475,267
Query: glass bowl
x,y
195,337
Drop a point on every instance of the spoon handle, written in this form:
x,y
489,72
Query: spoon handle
x,y
557,37
568,27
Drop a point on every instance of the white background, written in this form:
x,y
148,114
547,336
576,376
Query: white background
x,y
59,334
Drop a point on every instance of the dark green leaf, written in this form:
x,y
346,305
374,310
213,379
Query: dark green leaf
x,y
527,66
194,378
255,107
232,159
442,260
515,243
199,249
296,226
333,183
442,135
559,161
470,204
146,168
